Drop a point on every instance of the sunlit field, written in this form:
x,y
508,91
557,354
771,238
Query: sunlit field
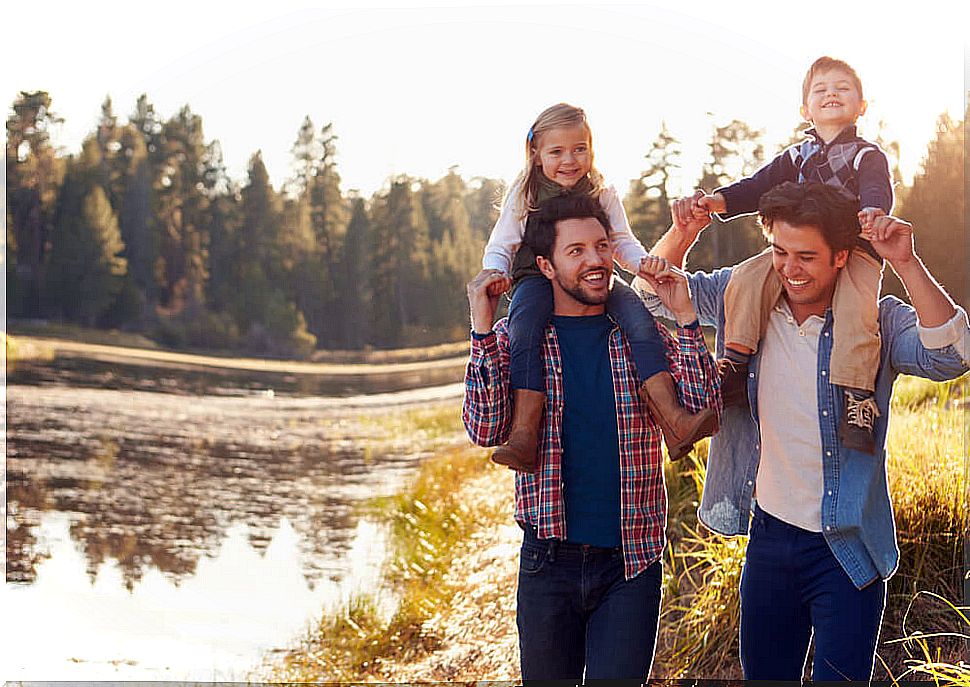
x,y
698,634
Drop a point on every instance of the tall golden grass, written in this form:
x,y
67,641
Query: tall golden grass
x,y
922,637
927,479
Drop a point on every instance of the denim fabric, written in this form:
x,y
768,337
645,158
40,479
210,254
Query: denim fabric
x,y
529,313
791,584
857,518
577,614
629,311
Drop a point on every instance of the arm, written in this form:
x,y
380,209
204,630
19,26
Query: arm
x,y
694,370
893,240
931,339
486,408
691,363
627,249
875,182
875,187
742,197
506,236
687,226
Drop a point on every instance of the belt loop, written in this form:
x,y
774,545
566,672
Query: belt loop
x,y
553,546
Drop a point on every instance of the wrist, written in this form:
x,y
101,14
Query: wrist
x,y
906,264
720,202
481,323
685,317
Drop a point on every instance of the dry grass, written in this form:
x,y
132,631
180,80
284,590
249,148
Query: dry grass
x,y
428,523
437,528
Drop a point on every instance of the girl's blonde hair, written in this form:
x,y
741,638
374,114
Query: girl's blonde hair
x,y
526,185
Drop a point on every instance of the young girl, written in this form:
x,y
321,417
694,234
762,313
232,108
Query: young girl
x,y
559,160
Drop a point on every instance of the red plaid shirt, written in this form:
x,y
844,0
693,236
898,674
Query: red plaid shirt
x,y
487,414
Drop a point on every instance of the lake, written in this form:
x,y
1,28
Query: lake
x,y
185,533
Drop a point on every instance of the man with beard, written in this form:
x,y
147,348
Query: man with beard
x,y
594,511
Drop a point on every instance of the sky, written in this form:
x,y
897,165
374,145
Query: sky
x,y
419,88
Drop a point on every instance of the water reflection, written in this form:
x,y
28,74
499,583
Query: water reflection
x,y
209,627
153,480
122,504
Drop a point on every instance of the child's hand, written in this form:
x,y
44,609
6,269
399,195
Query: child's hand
x,y
711,202
483,294
500,286
690,213
866,218
650,266
670,285
893,239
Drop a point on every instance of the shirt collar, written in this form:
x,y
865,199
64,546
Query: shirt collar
x,y
847,134
811,322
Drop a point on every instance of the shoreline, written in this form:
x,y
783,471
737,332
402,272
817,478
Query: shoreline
x,y
43,348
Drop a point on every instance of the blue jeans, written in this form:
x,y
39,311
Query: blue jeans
x,y
791,584
576,611
531,309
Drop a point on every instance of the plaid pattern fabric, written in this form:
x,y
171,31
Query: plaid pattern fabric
x,y
487,414
835,163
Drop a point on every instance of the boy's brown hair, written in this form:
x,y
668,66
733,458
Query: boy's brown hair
x,y
825,64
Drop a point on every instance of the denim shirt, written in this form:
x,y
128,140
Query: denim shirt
x,y
857,516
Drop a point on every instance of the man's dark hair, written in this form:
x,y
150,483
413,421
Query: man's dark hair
x,y
814,204
540,226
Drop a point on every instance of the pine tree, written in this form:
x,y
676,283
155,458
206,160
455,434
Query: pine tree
x,y
400,250
648,202
270,320
736,151
86,266
179,208
355,282
455,254
34,175
482,202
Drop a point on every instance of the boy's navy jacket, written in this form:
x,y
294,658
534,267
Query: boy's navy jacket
x,y
850,163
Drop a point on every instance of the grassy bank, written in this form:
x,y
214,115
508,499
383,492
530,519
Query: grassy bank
x,y
428,522
433,520
927,480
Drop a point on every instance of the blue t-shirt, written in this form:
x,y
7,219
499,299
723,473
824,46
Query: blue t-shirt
x,y
590,440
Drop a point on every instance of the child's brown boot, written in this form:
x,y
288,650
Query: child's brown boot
x,y
679,427
520,452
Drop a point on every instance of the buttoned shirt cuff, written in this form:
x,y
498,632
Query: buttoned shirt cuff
x,y
484,345
691,337
955,332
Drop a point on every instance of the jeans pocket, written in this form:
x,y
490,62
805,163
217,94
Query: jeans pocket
x,y
757,523
532,559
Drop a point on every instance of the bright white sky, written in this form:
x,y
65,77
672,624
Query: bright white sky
x,y
417,89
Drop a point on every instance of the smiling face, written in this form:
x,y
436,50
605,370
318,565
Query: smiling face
x,y
833,100
565,154
807,267
580,267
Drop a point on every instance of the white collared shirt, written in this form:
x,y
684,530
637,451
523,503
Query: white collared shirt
x,y
789,484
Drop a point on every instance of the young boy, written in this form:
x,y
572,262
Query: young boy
x,y
833,154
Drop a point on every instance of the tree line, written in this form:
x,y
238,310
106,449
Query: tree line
x,y
144,230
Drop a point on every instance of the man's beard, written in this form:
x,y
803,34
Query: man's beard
x,y
577,292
